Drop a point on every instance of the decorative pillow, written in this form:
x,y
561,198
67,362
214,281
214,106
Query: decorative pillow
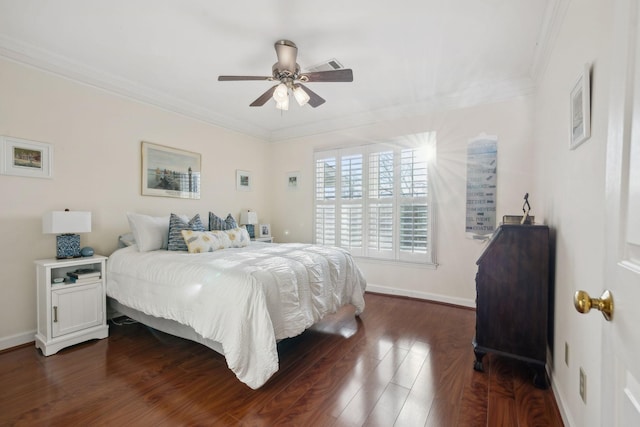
x,y
176,225
205,241
217,223
125,240
239,237
210,241
150,232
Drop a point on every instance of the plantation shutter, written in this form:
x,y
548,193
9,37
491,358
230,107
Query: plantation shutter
x,y
381,209
414,213
325,200
374,200
350,202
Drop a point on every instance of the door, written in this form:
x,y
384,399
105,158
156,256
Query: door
x,y
76,308
621,336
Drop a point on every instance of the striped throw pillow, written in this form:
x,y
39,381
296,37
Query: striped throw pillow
x,y
176,225
217,223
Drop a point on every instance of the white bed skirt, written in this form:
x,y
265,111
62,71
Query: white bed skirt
x,y
165,325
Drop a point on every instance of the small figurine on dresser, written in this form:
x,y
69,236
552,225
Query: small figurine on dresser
x,y
525,219
526,207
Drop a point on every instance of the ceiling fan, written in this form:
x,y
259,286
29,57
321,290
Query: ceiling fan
x,y
287,72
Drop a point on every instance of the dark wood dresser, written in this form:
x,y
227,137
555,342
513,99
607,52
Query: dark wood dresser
x,y
512,297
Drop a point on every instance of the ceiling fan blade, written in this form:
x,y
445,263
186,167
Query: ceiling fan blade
x,y
264,97
237,78
343,75
315,100
287,53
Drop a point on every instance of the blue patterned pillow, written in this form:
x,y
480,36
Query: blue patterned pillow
x,y
217,223
176,225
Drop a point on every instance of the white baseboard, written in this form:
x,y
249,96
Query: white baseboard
x,y
566,418
464,302
16,340
562,407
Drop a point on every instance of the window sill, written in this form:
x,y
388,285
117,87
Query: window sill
x,y
425,265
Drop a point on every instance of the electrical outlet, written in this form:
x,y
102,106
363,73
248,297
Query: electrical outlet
x,y
566,353
583,386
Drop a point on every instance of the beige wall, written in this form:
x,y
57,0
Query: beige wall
x,y
571,188
96,142
454,279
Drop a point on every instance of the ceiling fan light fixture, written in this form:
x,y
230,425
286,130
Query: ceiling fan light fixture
x,y
286,74
281,93
301,96
283,105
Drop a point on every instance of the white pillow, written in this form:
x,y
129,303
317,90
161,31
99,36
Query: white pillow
x,y
151,232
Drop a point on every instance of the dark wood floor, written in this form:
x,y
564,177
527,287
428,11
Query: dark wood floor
x,y
403,362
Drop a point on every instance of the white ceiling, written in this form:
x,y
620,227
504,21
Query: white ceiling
x,y
408,57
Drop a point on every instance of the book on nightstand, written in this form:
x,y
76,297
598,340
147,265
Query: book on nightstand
x,y
74,281
84,273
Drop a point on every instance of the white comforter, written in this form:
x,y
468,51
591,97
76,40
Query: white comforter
x,y
245,298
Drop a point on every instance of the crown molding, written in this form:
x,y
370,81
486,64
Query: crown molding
x,y
551,25
62,66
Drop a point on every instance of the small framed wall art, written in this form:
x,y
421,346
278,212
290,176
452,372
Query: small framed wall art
x,y
22,157
580,109
243,180
293,180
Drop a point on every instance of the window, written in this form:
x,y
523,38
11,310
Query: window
x,y
374,200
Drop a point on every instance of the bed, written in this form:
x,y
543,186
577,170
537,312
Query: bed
x,y
238,301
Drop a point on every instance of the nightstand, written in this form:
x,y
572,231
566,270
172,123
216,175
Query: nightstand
x,y
263,239
70,313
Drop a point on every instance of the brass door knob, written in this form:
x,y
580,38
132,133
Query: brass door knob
x,y
583,303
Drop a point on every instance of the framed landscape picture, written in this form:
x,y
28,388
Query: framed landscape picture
x,y
170,172
22,157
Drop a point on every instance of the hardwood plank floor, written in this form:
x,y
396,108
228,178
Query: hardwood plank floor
x,y
403,362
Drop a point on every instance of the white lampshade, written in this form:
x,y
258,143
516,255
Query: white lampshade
x,y
62,222
284,105
248,217
281,93
301,96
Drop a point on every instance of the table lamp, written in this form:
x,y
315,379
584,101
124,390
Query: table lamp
x,y
249,218
66,223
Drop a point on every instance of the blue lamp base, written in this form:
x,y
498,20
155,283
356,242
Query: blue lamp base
x,y
68,246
